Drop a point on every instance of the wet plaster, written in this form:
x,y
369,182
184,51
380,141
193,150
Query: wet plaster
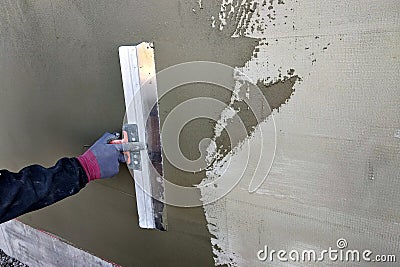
x,y
276,95
61,89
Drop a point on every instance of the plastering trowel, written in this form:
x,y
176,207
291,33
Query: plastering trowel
x,y
141,133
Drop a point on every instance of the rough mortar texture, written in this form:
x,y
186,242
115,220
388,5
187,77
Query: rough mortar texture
x,y
7,261
335,172
38,248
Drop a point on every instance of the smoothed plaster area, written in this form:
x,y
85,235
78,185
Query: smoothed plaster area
x,y
61,89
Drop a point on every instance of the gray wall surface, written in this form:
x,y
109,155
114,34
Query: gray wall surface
x,y
329,71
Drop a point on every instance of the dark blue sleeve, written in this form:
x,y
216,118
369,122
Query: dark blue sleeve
x,y
35,187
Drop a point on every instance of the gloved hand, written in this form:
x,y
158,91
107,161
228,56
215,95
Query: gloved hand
x,y
102,159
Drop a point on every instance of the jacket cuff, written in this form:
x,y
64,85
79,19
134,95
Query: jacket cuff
x,y
90,165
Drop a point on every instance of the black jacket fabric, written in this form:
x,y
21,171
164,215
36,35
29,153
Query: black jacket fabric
x,y
35,187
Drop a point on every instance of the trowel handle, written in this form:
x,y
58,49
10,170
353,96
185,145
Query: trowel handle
x,y
131,146
124,139
121,141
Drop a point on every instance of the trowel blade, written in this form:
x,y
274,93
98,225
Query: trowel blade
x,y
141,103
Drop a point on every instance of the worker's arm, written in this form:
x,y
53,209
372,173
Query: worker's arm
x,y
35,187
